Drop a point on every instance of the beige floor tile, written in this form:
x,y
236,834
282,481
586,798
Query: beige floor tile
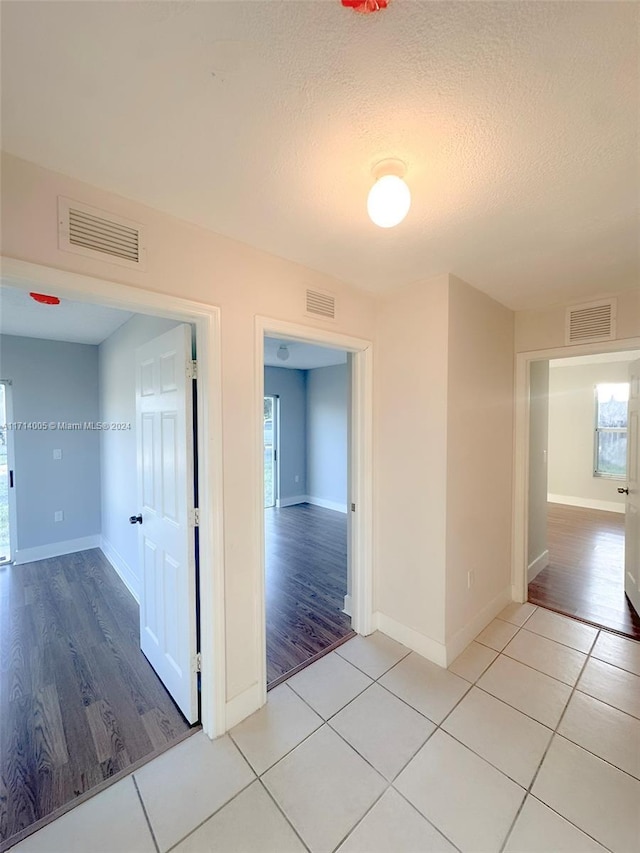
x,y
328,684
473,661
498,733
612,685
425,686
532,692
603,730
563,630
112,820
539,829
517,613
393,826
599,799
374,654
264,737
497,634
188,783
619,651
470,802
383,729
324,789
547,656
250,823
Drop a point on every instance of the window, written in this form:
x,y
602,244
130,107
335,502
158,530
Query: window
x,y
611,430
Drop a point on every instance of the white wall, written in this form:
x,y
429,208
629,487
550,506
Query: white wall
x,y
571,435
118,465
538,554
479,461
327,410
53,381
291,388
192,262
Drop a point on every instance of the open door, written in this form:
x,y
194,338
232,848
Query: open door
x,y
166,517
632,517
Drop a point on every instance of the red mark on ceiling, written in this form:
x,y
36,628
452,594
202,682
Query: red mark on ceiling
x,y
45,299
365,7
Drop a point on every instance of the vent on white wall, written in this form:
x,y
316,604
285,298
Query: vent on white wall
x,y
98,234
321,304
593,321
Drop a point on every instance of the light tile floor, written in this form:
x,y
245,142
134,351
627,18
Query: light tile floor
x,y
529,743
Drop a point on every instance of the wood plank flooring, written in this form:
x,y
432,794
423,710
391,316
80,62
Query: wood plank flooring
x,y
585,575
79,702
306,581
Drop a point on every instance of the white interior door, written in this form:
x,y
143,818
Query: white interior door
x,y
632,518
166,540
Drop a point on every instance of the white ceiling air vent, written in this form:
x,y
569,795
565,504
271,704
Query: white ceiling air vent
x,y
321,304
593,321
98,234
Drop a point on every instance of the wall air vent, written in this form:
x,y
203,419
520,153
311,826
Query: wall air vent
x,y
591,322
321,304
101,235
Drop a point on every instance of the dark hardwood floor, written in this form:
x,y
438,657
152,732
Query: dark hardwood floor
x,y
78,700
306,581
585,575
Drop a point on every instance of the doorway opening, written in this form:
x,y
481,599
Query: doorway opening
x,y
579,475
78,586
321,522
306,478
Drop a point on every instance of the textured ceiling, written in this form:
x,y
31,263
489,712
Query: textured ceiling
x,y
75,322
518,123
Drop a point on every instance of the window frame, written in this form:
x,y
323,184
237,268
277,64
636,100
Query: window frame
x,y
604,475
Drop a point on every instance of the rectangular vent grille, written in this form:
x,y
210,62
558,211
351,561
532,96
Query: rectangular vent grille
x,y
594,321
99,234
92,232
321,304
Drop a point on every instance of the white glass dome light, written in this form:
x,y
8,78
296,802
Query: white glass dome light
x,y
389,198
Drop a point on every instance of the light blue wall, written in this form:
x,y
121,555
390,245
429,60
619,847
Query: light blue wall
x,y
54,381
327,431
118,449
290,387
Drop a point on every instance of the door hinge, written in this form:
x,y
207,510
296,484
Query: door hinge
x,y
199,662
195,517
353,507
192,370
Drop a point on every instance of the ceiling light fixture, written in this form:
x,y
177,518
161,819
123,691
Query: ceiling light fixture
x,y
389,198
283,352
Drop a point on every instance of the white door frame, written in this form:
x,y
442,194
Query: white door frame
x,y
520,525
206,318
361,463
9,437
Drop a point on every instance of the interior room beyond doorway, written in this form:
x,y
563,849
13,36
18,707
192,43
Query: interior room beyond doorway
x,y
306,447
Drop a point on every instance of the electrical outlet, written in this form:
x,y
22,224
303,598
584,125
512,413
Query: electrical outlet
x,y
471,579
57,454
58,515
296,478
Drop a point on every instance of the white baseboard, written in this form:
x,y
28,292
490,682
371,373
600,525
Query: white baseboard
x,y
414,640
296,499
56,549
243,705
123,569
334,505
347,605
461,639
541,562
587,503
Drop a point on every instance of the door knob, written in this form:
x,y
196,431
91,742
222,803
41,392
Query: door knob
x,y
135,519
622,491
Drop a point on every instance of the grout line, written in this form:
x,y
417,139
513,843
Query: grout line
x,y
563,817
283,813
146,816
